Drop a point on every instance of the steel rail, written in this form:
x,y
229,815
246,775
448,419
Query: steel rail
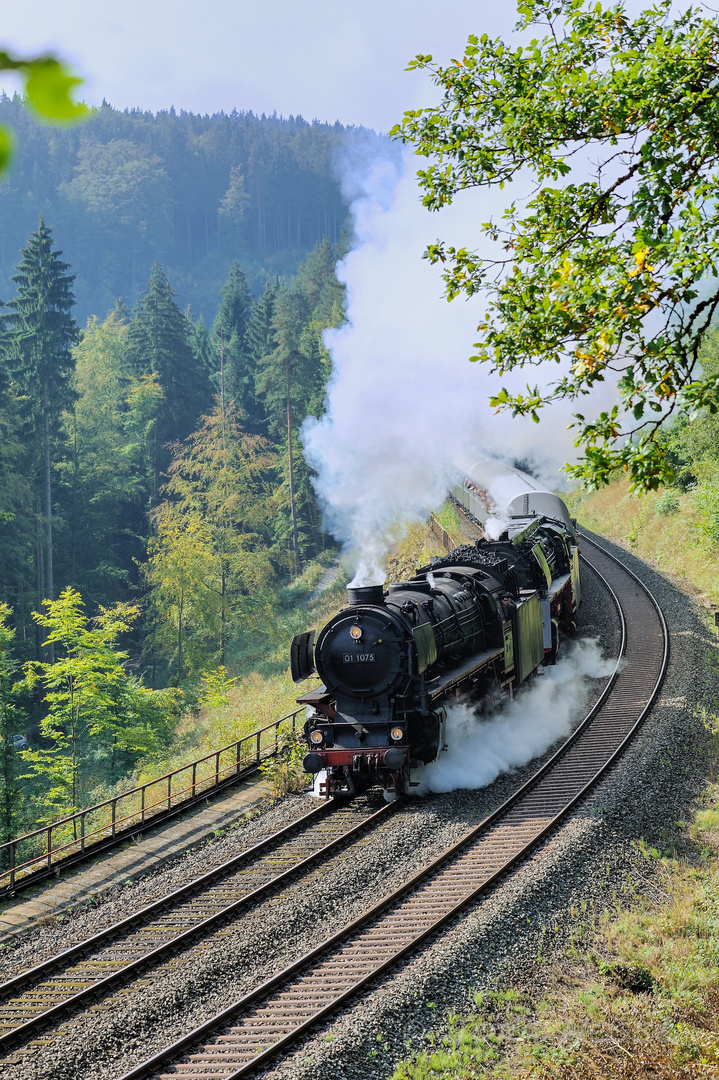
x,y
275,1014
96,986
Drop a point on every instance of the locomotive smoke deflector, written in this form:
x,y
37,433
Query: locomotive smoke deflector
x,y
302,661
366,594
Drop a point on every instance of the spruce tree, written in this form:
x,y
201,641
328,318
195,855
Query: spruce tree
x,y
286,380
160,343
39,339
230,333
261,339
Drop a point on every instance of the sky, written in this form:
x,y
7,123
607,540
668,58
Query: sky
x,y
323,59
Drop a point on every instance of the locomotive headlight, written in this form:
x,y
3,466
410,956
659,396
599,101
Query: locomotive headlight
x,y
316,737
356,633
397,734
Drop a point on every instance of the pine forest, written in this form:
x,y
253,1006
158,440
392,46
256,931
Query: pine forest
x,y
162,340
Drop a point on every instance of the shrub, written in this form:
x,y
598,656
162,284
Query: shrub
x,y
668,503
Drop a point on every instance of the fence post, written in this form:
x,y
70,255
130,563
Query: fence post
x,y
239,756
12,864
194,777
82,834
259,737
49,846
169,792
217,768
142,804
114,816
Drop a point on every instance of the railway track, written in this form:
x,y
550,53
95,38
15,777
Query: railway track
x,y
90,969
256,1028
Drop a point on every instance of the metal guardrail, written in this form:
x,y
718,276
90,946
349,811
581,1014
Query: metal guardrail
x,y
447,541
71,838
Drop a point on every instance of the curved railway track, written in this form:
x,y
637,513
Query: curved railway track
x,y
268,1019
84,972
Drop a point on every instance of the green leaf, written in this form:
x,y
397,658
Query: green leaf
x,y
6,147
48,89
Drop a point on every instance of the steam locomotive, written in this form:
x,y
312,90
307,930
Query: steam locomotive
x,y
475,623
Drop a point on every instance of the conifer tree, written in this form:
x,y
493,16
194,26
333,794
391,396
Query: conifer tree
x,y
200,342
230,333
209,557
286,380
159,343
40,334
260,338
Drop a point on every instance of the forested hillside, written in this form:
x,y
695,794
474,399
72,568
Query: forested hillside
x,y
155,507
127,189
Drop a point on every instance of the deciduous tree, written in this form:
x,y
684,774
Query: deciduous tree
x,y
209,557
609,269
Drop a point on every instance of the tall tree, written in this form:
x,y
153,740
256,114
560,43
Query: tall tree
x,y
230,334
41,334
110,477
94,707
159,343
609,268
282,383
10,718
260,338
209,556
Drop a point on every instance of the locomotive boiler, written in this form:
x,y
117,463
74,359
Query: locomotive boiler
x,y
475,623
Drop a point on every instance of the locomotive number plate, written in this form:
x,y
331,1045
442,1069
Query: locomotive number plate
x,y
359,658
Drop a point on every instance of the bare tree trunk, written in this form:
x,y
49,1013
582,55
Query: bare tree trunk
x,y
48,508
180,613
73,527
295,537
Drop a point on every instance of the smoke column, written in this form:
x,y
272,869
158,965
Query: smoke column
x,y
482,748
404,405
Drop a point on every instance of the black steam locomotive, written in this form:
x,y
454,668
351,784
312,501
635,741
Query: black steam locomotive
x,y
477,622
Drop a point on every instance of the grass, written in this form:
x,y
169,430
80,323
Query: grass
x,y
673,542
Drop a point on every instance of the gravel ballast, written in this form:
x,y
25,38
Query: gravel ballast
x,y
500,938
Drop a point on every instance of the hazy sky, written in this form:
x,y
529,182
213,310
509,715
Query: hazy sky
x,y
326,59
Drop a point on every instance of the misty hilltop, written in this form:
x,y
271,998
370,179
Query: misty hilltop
x,y
127,189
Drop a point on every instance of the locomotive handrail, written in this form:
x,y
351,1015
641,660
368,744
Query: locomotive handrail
x,y
93,828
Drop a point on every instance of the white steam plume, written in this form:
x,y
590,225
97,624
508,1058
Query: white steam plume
x,y
404,405
480,748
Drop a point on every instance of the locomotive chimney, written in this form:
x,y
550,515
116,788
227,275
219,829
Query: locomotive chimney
x,y
366,594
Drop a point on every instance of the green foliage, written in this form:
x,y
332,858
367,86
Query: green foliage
x,y
39,335
11,718
230,344
48,86
216,686
159,344
599,275
285,771
209,565
94,708
668,503
706,497
191,192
